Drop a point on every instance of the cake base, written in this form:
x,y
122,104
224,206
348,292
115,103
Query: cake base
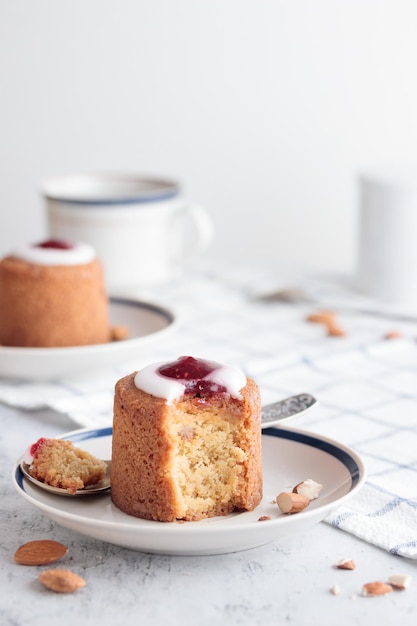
x,y
52,306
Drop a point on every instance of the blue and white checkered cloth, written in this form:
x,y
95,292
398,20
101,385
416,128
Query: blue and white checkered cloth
x,y
366,384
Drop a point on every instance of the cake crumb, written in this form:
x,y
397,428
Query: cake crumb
x,y
58,463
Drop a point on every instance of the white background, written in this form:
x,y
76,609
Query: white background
x,y
265,110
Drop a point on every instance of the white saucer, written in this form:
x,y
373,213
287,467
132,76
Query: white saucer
x,y
289,456
146,322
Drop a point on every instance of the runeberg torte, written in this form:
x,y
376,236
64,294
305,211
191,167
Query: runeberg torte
x,y
186,441
52,294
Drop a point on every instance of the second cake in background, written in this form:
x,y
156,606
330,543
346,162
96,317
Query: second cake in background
x,y
186,441
52,294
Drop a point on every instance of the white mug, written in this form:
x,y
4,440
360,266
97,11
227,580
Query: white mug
x,y
142,228
387,237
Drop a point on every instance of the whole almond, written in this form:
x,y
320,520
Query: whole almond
x,y
40,552
61,580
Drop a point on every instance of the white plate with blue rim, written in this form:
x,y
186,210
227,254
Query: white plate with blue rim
x,y
289,457
146,323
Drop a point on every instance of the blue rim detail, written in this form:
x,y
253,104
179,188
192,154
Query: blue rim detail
x,y
95,433
308,440
19,477
325,446
143,199
145,305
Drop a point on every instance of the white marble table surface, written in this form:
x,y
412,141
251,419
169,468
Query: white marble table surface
x,y
286,581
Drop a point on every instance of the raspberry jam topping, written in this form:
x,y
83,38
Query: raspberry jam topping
x,y
56,244
32,451
56,252
192,373
35,446
190,376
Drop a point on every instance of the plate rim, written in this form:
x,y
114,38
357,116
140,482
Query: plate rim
x,y
351,460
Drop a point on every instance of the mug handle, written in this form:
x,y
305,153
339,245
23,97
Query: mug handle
x,y
204,227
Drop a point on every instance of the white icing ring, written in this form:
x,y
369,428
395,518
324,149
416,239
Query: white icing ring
x,y
78,254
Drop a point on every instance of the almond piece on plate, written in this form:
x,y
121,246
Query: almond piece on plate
x,y
290,502
308,488
377,588
40,552
61,580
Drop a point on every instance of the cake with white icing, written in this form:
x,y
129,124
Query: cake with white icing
x,y
186,441
52,294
